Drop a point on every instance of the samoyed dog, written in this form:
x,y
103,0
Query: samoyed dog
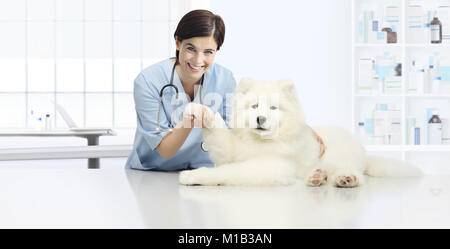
x,y
269,143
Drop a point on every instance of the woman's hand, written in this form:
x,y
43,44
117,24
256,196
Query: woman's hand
x,y
201,115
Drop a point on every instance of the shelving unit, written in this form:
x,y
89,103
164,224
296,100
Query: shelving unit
x,y
408,148
365,45
406,101
412,45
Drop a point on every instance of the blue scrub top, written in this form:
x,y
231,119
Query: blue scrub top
x,y
217,85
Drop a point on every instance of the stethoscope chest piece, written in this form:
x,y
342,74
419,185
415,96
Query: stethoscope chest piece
x,y
203,146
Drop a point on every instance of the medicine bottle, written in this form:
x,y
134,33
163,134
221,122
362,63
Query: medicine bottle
x,y
436,30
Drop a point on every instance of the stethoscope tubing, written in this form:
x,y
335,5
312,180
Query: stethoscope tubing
x,y
161,92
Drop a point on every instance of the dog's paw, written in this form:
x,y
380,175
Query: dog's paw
x,y
317,177
346,181
208,117
194,177
194,109
187,178
203,115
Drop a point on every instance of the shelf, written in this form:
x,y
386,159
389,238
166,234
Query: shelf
x,y
401,148
428,45
425,96
428,148
430,96
377,95
384,148
378,45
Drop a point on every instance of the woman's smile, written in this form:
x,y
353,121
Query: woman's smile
x,y
194,68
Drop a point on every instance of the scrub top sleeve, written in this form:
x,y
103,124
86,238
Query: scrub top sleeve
x,y
146,99
228,98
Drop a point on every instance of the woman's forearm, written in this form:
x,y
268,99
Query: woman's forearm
x,y
172,142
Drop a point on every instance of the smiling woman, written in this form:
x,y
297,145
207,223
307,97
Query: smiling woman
x,y
165,138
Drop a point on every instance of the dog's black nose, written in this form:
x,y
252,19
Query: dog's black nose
x,y
260,120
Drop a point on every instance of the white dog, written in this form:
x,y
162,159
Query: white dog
x,y
270,144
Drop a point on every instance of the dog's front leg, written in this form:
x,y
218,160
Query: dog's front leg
x,y
256,172
220,141
217,138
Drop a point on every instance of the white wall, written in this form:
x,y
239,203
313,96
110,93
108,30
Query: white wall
x,y
306,41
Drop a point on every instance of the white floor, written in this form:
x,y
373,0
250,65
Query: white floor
x,y
115,197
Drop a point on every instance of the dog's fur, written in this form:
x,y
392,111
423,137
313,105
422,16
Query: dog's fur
x,y
283,148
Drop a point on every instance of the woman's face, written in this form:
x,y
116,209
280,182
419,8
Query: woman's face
x,y
196,55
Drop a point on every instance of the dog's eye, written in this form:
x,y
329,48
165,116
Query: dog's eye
x,y
255,106
273,108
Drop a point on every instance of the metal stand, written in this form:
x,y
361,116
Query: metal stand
x,y
93,163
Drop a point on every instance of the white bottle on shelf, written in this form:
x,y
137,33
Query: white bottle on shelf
x,y
415,29
48,122
362,133
410,125
34,124
380,120
420,78
428,17
360,29
435,129
428,79
445,130
394,126
412,78
443,13
365,75
368,125
436,85
436,64
40,125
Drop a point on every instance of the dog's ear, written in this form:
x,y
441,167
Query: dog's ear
x,y
290,93
244,85
287,86
288,89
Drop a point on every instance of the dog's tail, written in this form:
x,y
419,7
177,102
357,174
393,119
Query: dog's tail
x,y
381,166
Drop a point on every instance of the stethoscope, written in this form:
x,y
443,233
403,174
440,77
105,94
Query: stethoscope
x,y
161,92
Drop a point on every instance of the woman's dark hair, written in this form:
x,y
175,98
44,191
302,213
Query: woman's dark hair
x,y
200,23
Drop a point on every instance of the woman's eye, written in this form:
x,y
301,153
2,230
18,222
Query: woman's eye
x,y
273,108
255,106
190,49
208,52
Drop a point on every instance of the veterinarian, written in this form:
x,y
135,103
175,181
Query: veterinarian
x,y
160,143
